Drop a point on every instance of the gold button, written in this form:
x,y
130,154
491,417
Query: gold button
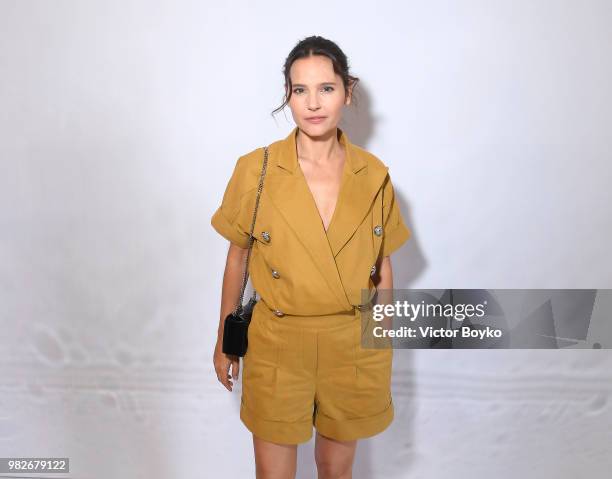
x,y
275,274
278,312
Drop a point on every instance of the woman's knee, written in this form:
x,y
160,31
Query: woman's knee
x,y
334,469
334,459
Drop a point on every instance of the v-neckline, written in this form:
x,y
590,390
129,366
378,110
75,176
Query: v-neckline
x,y
338,198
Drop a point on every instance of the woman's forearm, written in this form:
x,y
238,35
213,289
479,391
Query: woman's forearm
x,y
232,282
384,287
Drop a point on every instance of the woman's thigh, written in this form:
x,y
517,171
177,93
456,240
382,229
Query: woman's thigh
x,y
274,460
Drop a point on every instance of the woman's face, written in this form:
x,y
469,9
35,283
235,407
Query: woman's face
x,y
317,92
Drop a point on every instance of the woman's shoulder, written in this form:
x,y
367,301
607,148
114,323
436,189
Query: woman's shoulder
x,y
247,169
372,160
248,161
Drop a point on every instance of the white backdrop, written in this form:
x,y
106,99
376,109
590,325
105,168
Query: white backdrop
x,y
120,124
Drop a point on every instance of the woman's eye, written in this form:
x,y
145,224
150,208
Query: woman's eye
x,y
325,89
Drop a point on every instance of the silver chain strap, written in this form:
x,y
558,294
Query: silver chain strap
x,y
246,270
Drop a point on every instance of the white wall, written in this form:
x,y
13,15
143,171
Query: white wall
x,y
120,122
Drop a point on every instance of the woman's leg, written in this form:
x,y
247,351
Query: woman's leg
x,y
274,461
334,458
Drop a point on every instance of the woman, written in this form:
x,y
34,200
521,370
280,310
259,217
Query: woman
x,y
326,224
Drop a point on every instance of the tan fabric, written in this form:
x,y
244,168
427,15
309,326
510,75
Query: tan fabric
x,y
301,372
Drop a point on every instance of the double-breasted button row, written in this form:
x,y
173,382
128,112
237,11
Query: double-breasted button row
x,y
278,312
265,235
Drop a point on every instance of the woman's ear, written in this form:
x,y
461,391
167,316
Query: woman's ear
x,y
349,95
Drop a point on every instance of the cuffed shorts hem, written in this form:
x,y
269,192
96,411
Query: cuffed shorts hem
x,y
299,432
276,431
358,428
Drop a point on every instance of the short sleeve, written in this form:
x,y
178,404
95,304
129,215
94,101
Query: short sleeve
x,y
226,219
395,231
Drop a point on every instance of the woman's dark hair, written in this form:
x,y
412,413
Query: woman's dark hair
x,y
316,45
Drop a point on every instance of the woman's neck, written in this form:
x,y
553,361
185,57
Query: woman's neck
x,y
319,150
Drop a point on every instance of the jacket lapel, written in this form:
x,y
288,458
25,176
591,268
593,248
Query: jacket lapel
x,y
357,195
287,189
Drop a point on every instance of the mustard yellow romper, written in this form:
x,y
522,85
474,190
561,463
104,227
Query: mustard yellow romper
x,y
305,364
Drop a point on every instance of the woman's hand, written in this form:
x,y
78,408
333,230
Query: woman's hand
x,y
223,362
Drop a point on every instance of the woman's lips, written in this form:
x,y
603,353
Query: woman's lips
x,y
316,119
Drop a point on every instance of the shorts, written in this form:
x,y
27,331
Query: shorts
x,y
305,371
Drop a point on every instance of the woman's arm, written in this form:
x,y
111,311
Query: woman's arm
x,y
384,278
232,283
384,286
